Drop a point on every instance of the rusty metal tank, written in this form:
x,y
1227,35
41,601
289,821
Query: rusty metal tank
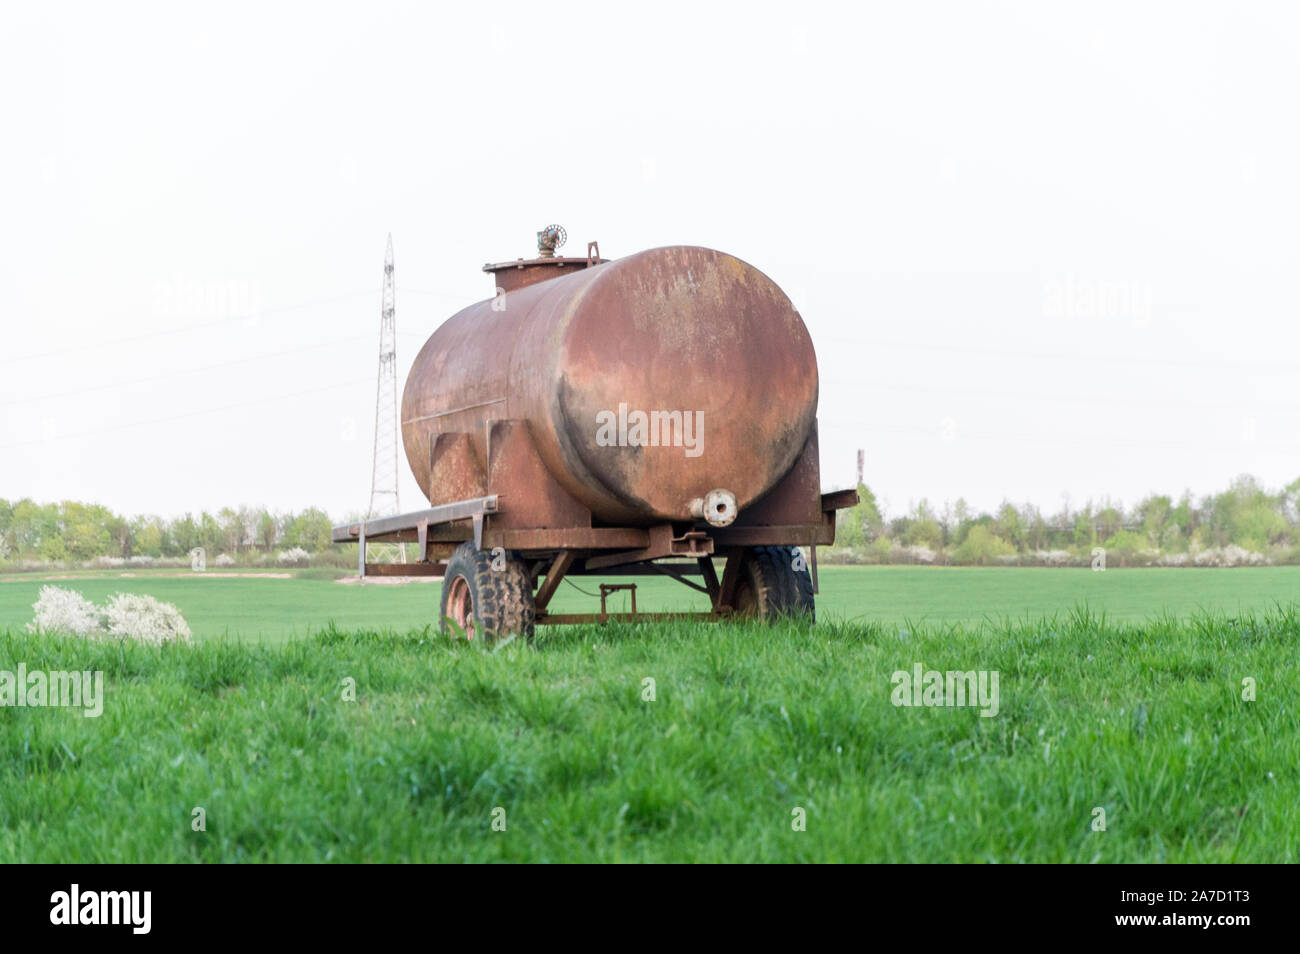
x,y
579,349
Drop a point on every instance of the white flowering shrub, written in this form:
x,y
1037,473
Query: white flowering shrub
x,y
225,559
1174,559
897,553
107,562
127,616
295,557
1243,557
1231,555
1053,557
66,611
131,616
142,559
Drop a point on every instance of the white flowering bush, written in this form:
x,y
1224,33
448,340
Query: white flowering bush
x,y
295,557
225,559
142,559
1234,555
913,554
107,562
66,611
127,616
1231,555
132,616
1053,557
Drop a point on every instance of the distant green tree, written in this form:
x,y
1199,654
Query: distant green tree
x,y
1035,529
1085,529
981,547
148,535
923,527
268,530
7,547
861,523
237,525
1291,502
1153,514
1184,520
1124,548
210,535
1110,521
311,530
120,533
35,530
1260,523
1247,515
961,522
1010,526
52,548
83,529
185,534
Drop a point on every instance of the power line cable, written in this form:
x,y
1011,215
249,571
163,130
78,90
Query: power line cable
x,y
1046,355
1038,397
177,417
165,332
1082,442
184,371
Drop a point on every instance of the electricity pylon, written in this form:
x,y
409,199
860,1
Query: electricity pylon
x,y
384,500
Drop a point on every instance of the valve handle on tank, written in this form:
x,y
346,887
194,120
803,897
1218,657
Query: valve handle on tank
x,y
549,239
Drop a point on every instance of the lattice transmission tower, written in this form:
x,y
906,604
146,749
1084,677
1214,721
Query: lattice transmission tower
x,y
384,472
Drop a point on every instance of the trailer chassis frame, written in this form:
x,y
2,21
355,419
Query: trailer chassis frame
x,y
674,550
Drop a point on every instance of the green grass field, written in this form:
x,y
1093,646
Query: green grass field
x,y
1133,705
273,610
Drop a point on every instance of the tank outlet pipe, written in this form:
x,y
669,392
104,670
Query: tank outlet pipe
x,y
718,507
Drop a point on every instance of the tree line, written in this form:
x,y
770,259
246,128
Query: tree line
x,y
74,531
1245,524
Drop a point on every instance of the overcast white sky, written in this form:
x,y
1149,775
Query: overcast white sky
x,y
1041,249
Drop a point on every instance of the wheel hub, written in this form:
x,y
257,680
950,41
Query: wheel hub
x,y
460,606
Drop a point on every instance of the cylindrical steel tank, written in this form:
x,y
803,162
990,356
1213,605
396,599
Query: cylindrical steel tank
x,y
678,329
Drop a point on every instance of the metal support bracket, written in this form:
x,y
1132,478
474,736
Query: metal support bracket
x,y
361,552
608,588
695,543
710,574
559,566
398,528
730,578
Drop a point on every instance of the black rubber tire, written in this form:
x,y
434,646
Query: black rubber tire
x,y
771,588
502,600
